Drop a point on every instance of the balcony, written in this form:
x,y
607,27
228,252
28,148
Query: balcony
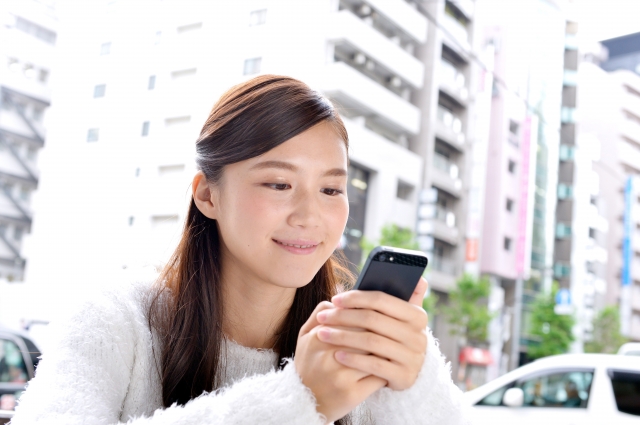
x,y
449,128
403,16
457,31
453,83
632,104
356,36
362,96
631,130
441,273
467,7
439,223
445,175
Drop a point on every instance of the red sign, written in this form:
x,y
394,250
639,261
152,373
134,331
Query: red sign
x,y
472,250
475,356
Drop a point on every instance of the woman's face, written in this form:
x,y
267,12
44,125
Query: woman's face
x,y
281,215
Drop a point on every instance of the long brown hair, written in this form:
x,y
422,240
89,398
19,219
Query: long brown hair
x,y
248,120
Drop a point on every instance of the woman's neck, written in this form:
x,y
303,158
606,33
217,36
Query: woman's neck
x,y
253,309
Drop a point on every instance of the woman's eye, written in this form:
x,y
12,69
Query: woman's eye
x,y
279,186
331,192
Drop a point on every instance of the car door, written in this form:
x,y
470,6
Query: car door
x,y
555,396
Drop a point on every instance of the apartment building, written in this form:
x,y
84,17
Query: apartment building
x,y
27,40
151,78
609,111
580,257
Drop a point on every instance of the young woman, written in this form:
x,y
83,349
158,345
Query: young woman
x,y
253,284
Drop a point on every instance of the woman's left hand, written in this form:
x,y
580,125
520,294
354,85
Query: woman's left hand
x,y
393,331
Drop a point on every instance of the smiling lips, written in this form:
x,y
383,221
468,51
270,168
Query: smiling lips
x,y
297,246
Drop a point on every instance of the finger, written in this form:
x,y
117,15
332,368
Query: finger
x,y
365,319
312,321
395,375
366,341
418,293
384,303
370,384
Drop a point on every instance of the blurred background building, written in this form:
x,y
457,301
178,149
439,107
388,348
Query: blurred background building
x,y
510,156
27,40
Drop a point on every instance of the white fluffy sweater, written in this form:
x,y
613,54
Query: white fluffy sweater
x,y
102,371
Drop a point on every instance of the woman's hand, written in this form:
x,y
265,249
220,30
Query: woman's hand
x,y
393,331
338,389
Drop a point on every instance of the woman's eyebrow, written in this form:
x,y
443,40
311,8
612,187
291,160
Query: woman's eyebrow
x,y
274,164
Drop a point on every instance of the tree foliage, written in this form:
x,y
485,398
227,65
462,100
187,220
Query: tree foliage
x,y
606,332
391,235
468,310
553,331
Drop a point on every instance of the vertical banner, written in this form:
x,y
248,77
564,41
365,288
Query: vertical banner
x,y
478,163
526,197
627,258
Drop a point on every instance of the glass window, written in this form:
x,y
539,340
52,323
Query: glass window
x,y
512,167
12,367
98,91
93,134
404,191
152,82
509,204
552,389
507,244
252,66
626,390
257,17
145,128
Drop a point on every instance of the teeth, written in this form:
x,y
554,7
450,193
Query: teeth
x,y
296,246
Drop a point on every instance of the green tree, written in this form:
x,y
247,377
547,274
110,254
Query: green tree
x,y
606,332
468,310
430,304
390,235
553,331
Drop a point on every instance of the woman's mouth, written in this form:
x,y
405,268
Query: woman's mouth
x,y
297,246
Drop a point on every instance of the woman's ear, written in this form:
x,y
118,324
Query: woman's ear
x,y
203,195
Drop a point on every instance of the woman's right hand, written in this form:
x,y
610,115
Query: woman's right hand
x,y
338,389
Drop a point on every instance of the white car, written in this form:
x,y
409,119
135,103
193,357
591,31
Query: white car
x,y
630,349
569,389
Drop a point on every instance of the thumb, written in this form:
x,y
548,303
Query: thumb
x,y
418,293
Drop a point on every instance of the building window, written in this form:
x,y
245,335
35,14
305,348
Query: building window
x,y
511,167
252,66
565,191
509,205
404,191
98,91
25,193
152,83
563,230
93,134
131,219
507,244
137,172
17,233
145,128
43,75
257,17
105,49
35,30
513,127
567,152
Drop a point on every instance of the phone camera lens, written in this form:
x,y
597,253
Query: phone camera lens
x,y
382,257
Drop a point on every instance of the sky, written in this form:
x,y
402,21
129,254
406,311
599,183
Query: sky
x,y
603,19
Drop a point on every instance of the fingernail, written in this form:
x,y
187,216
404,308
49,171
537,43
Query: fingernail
x,y
324,333
322,316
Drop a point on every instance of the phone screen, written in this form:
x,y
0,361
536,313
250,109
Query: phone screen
x,y
394,278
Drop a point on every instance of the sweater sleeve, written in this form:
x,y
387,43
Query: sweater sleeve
x,y
433,398
84,378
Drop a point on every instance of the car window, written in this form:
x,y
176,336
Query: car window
x,y
12,367
553,389
557,389
626,390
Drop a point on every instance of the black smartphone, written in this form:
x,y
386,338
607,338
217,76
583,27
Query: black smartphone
x,y
394,271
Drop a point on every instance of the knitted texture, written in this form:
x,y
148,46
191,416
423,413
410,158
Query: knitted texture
x,y
103,370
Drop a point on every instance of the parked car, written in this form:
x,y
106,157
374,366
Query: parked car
x,y
18,361
570,389
630,349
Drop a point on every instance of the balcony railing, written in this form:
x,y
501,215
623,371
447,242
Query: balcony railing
x,y
457,30
442,265
443,163
444,215
449,120
453,80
